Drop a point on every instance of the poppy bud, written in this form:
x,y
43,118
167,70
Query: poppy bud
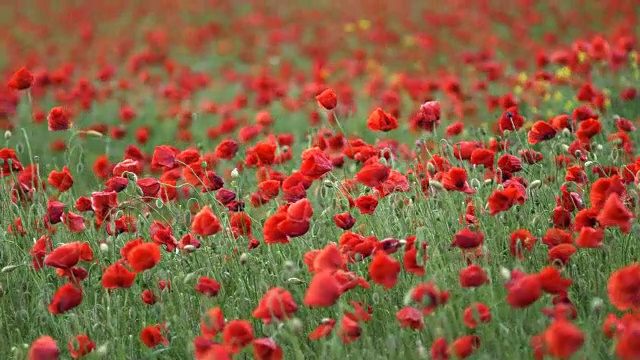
x,y
235,173
7,134
244,258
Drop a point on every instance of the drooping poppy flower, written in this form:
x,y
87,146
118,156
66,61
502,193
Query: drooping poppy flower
x,y
454,129
22,79
266,349
143,257
59,119
154,335
276,304
207,286
410,262
117,276
80,346
237,334
205,222
381,121
521,239
43,348
323,291
327,99
475,314
410,317
67,297
384,270
623,287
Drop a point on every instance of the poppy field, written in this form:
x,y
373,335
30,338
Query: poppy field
x,y
218,179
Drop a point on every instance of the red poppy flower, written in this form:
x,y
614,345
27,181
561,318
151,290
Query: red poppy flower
x,y
327,99
277,304
213,323
467,239
623,288
227,149
410,262
554,237
410,317
43,348
561,253
154,335
265,153
456,180
521,239
615,213
80,346
207,286
322,330
381,121
510,120
266,349
484,157
523,290
61,180
372,174
117,276
384,270
473,276
541,131
68,255
237,334
143,257
22,79
349,330
59,119
562,339
329,258
344,221
464,346
476,313
440,349
205,222
67,297
148,297
366,204
590,237
552,281
454,129
315,163
323,291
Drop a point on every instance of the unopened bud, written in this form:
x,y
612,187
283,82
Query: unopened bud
x,y
436,185
235,173
244,258
535,184
7,134
506,273
104,247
